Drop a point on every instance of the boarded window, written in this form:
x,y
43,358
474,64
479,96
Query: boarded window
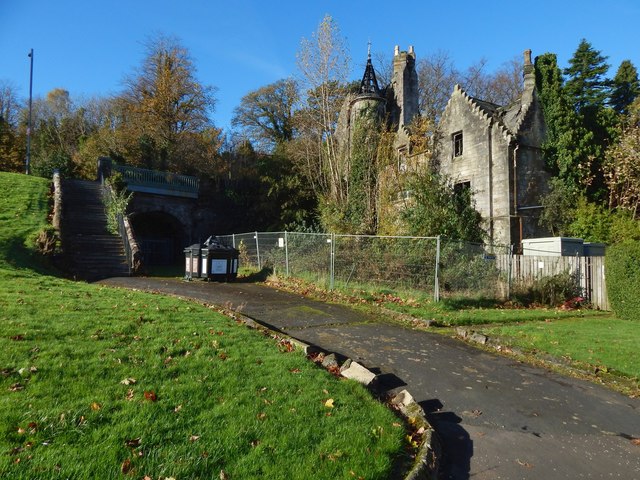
x,y
456,140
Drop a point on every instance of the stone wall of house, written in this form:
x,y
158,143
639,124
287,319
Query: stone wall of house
x,y
532,176
483,164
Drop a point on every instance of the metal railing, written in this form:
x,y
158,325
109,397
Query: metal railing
x,y
153,181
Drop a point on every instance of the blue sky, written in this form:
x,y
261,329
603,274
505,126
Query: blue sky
x,y
240,45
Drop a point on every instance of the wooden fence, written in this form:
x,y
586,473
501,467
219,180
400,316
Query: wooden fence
x,y
589,271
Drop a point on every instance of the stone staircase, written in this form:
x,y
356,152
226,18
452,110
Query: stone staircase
x,y
91,252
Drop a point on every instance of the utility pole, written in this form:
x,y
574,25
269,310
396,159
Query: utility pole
x,y
28,163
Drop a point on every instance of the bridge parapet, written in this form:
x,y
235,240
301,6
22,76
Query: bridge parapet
x,y
151,181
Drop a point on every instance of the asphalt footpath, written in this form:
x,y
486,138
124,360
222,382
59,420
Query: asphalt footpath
x,y
496,418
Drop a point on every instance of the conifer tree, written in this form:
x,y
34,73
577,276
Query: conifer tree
x,y
625,87
569,146
587,90
586,84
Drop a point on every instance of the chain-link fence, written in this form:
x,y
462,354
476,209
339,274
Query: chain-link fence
x,y
428,264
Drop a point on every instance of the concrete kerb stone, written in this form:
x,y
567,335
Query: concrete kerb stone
x,y
426,462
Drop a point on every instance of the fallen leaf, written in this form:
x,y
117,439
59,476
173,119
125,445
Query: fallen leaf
x,y
147,477
329,403
95,406
295,370
223,475
133,443
126,466
636,441
261,416
130,394
523,464
334,456
16,387
17,338
177,409
223,356
194,438
151,396
128,381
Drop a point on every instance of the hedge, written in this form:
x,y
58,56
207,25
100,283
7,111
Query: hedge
x,y
623,279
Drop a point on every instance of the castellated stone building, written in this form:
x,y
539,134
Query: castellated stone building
x,y
495,152
394,105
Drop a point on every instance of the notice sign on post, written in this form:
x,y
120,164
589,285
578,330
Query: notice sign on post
x,y
218,267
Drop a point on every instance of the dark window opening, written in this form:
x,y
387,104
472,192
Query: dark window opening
x,y
456,138
462,192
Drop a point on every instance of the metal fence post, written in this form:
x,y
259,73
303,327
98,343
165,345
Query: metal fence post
x,y
286,252
332,260
258,251
233,240
436,287
509,271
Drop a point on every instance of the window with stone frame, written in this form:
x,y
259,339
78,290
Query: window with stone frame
x,y
462,191
456,142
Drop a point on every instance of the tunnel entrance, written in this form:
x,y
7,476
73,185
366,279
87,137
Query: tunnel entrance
x,y
161,238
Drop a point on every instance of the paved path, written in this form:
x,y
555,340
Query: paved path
x,y
498,419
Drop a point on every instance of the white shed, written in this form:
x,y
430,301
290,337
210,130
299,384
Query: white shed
x,y
553,246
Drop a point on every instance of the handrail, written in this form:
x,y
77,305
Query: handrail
x,y
122,231
141,177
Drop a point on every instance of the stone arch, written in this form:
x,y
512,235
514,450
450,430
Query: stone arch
x,y
161,236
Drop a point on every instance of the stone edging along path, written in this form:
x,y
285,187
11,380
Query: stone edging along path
x,y
427,459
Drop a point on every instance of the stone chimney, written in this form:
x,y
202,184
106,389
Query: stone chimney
x,y
528,72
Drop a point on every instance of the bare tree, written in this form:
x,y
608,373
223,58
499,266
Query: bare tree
x,y
323,62
437,76
10,104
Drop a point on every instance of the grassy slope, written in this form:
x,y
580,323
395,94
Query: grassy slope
x,y
98,383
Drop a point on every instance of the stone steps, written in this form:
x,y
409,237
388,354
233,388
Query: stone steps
x,y
91,251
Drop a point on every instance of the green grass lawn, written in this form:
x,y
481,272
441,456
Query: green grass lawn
x,y
594,341
101,383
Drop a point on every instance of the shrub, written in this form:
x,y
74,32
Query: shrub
x,y
116,201
44,166
623,279
551,291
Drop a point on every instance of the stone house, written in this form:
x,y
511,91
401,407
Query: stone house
x,y
495,151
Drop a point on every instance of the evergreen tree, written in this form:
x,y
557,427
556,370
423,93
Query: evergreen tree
x,y
569,147
625,87
586,84
587,90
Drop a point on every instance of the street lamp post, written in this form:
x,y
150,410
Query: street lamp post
x,y
28,163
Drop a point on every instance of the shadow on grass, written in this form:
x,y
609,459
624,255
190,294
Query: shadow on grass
x,y
461,303
18,256
256,277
